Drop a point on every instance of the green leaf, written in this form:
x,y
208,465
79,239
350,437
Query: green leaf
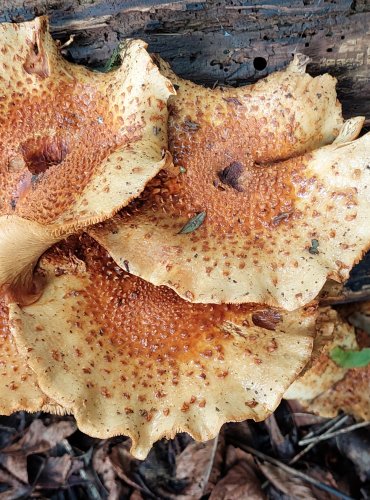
x,y
350,358
113,62
193,223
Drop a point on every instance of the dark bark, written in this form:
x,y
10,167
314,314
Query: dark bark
x,y
230,41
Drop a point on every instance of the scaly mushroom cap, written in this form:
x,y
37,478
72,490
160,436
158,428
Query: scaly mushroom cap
x,y
322,372
131,358
267,229
76,145
351,395
326,388
18,384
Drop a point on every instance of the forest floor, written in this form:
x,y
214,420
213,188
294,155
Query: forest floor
x,y
44,456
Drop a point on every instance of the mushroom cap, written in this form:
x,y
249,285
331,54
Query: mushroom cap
x,y
76,145
326,388
321,373
19,389
130,358
350,394
271,215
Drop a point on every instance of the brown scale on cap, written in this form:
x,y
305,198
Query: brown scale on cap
x,y
237,199
131,358
275,210
18,384
46,139
76,145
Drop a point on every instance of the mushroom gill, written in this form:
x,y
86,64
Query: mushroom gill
x,y
76,145
130,358
257,207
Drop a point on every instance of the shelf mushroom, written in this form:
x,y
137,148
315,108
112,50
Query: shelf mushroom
x,y
76,145
130,358
258,207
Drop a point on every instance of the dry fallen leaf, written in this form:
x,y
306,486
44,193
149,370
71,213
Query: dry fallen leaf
x,y
104,468
240,480
39,438
356,447
12,488
218,463
127,467
194,466
136,495
290,485
54,472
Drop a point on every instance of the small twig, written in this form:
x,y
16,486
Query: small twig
x,y
39,472
333,434
324,427
346,298
334,425
294,472
67,43
93,491
211,462
265,484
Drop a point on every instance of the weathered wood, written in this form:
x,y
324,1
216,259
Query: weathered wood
x,y
226,41
358,286
230,41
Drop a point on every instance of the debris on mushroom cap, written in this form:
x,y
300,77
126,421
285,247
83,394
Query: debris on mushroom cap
x,y
76,145
322,372
18,384
275,222
130,358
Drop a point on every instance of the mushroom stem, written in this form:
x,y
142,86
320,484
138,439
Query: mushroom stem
x,y
28,241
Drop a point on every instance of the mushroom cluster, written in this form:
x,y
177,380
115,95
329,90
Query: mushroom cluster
x,y
162,245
